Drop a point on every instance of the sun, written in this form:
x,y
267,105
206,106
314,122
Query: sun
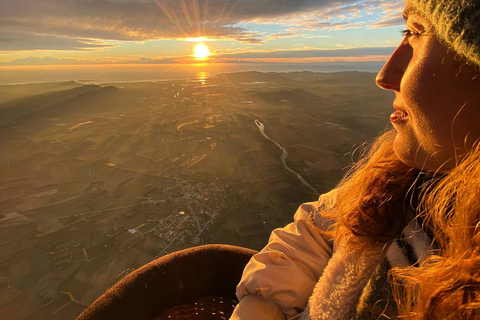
x,y
201,51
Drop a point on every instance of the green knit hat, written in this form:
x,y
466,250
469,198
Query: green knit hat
x,y
456,22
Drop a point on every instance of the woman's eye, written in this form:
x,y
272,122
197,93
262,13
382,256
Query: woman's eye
x,y
410,33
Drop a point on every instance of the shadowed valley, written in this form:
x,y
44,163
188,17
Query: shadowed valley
x,y
97,180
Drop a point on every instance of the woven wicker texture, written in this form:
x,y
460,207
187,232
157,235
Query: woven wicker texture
x,y
209,308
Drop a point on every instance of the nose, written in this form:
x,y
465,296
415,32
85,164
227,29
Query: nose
x,y
390,77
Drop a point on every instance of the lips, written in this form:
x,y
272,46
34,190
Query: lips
x,y
398,115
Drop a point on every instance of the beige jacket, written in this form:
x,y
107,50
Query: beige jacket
x,y
279,280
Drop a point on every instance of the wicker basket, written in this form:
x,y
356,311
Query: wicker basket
x,y
209,308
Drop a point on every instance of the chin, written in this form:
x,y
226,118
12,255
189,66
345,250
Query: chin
x,y
410,153
420,160
404,150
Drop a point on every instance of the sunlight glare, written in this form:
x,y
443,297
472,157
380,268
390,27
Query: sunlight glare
x,y
201,51
202,76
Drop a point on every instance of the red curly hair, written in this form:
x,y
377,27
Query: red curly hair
x,y
371,209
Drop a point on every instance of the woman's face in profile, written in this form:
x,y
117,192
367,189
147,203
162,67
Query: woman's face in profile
x,y
437,100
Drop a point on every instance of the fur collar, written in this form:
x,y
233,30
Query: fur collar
x,y
354,284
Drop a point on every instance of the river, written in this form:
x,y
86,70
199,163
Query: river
x,y
284,156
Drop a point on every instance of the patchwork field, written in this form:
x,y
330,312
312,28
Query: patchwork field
x,y
97,180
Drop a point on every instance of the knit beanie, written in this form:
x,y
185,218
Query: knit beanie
x,y
456,22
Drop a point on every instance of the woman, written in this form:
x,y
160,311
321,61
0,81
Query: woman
x,y
400,235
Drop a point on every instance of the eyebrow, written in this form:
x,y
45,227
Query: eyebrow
x,y
409,11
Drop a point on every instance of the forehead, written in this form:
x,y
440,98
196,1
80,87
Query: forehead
x,y
409,11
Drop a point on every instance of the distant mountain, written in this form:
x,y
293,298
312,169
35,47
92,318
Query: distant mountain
x,y
254,76
17,91
23,108
294,78
87,101
350,78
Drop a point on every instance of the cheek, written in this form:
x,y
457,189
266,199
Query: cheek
x,y
420,85
446,129
431,101
424,107
466,127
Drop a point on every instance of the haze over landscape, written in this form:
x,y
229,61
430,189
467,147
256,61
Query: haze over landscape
x,y
130,129
100,179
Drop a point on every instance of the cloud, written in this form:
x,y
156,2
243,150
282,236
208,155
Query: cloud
x,y
151,61
347,16
49,61
283,35
391,20
39,61
12,41
310,53
87,24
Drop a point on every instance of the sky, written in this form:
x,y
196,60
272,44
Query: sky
x,y
71,32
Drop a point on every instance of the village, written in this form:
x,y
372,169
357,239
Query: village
x,y
98,180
